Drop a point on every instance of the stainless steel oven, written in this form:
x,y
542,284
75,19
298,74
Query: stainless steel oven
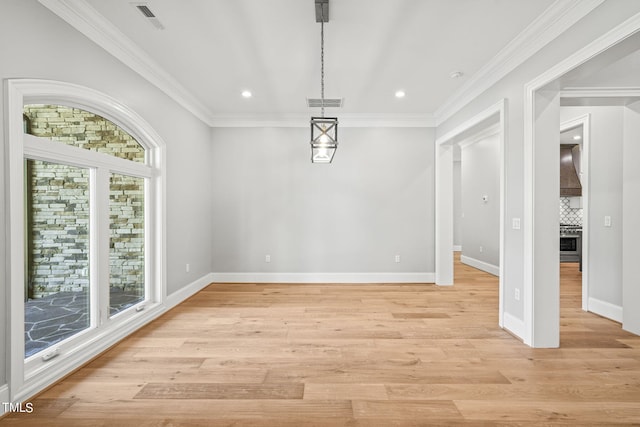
x,y
571,244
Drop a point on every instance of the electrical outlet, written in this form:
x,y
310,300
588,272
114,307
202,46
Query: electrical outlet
x,y
516,223
607,221
397,258
267,258
516,294
187,268
481,248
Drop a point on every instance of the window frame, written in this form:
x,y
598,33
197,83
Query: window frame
x,y
27,376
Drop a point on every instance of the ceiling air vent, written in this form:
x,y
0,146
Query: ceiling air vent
x,y
146,11
149,15
328,102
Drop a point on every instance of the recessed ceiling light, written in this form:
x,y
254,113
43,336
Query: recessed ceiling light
x,y
456,74
577,137
246,94
400,94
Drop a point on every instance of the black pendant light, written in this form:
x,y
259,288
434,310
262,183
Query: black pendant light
x,y
324,130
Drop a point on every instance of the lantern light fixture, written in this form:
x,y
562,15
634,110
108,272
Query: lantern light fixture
x,y
324,130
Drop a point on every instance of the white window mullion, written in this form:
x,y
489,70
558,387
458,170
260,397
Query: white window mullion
x,y
149,245
100,247
40,148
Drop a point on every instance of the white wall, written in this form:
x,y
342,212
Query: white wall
x,y
37,44
481,221
631,213
457,203
373,202
602,19
605,199
4,313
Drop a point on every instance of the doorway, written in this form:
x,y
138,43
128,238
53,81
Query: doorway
x,y
574,210
542,119
444,146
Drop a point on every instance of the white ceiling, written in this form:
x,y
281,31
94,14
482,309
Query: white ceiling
x,y
616,67
212,50
216,49
568,136
624,72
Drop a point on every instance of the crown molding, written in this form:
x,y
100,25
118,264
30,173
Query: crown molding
x,y
550,24
88,21
345,120
600,92
599,96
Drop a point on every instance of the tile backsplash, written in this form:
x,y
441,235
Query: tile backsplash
x,y
569,215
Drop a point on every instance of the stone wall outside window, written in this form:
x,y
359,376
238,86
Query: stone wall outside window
x,y
58,224
83,129
58,210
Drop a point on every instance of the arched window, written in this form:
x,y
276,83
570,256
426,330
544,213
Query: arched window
x,y
83,129
86,180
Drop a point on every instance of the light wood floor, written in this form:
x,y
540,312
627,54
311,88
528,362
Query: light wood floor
x,y
356,355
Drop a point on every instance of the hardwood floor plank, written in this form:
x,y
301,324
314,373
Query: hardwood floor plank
x,y
569,392
345,391
340,374
541,376
546,411
182,409
86,390
151,342
175,390
421,315
633,342
589,339
406,410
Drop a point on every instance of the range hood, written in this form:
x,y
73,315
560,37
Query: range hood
x,y
569,166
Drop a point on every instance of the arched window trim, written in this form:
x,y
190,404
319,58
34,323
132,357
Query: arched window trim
x,y
34,91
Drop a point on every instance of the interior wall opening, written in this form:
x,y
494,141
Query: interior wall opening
x,y
595,84
489,123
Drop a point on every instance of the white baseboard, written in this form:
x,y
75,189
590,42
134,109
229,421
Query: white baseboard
x,y
188,291
480,265
605,309
457,248
4,397
324,277
514,325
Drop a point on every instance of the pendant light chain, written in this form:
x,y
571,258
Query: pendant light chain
x,y
322,61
